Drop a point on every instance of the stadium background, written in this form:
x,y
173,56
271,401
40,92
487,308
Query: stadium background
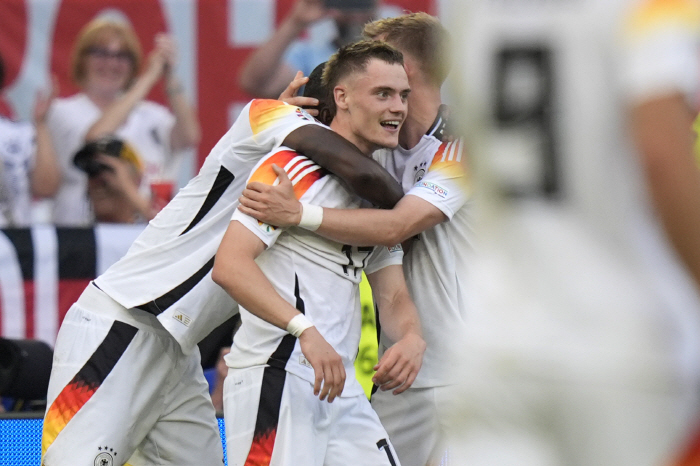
x,y
44,269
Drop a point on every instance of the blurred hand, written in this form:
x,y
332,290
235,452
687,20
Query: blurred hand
x,y
166,44
306,12
274,205
327,364
44,100
119,177
399,366
163,56
290,96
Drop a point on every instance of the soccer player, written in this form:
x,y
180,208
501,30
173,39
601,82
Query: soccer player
x,y
583,346
126,382
435,207
299,297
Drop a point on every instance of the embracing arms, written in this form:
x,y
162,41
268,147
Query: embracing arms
x,y
278,206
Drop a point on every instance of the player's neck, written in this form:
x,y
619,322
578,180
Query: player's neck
x,y
343,128
424,103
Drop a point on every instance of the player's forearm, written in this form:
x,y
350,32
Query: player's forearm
x,y
662,130
362,227
398,315
333,152
399,318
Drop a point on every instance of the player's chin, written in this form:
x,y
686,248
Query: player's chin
x,y
388,140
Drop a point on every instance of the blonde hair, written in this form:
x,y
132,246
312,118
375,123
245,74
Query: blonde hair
x,y
98,32
419,35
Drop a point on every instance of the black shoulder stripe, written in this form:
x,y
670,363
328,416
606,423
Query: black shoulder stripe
x,y
439,126
223,179
162,303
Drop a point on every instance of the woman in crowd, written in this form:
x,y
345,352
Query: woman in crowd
x,y
105,65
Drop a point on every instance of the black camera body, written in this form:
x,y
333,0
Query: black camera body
x,y
86,160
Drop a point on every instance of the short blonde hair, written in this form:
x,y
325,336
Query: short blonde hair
x,y
420,36
98,32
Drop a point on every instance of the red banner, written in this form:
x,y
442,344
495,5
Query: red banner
x,y
36,39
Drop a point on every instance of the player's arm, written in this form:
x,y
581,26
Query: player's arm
x,y
662,132
362,227
399,366
236,271
363,175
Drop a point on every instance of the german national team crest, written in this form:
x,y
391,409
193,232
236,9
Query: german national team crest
x,y
105,457
419,172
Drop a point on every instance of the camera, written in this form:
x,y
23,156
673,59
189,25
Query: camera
x,y
86,160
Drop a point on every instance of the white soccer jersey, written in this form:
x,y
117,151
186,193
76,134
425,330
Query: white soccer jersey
x,y
436,264
581,305
319,276
147,129
17,149
167,271
575,68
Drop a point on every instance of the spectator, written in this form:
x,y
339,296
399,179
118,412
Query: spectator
x,y
29,168
106,61
114,174
268,71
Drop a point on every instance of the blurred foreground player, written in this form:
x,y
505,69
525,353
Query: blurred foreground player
x,y
582,346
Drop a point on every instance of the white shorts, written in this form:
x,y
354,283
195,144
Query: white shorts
x,y
273,418
412,421
121,389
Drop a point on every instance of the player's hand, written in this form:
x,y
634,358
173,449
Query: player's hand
x,y
327,364
274,205
399,366
289,95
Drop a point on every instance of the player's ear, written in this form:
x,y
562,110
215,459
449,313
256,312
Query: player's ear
x,y
324,115
340,95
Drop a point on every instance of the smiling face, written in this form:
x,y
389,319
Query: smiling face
x,y
108,66
106,57
372,105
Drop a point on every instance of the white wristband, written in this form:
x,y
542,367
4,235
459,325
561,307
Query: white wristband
x,y
311,216
298,324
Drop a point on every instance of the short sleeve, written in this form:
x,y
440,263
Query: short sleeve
x,y
383,257
660,51
301,171
446,183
